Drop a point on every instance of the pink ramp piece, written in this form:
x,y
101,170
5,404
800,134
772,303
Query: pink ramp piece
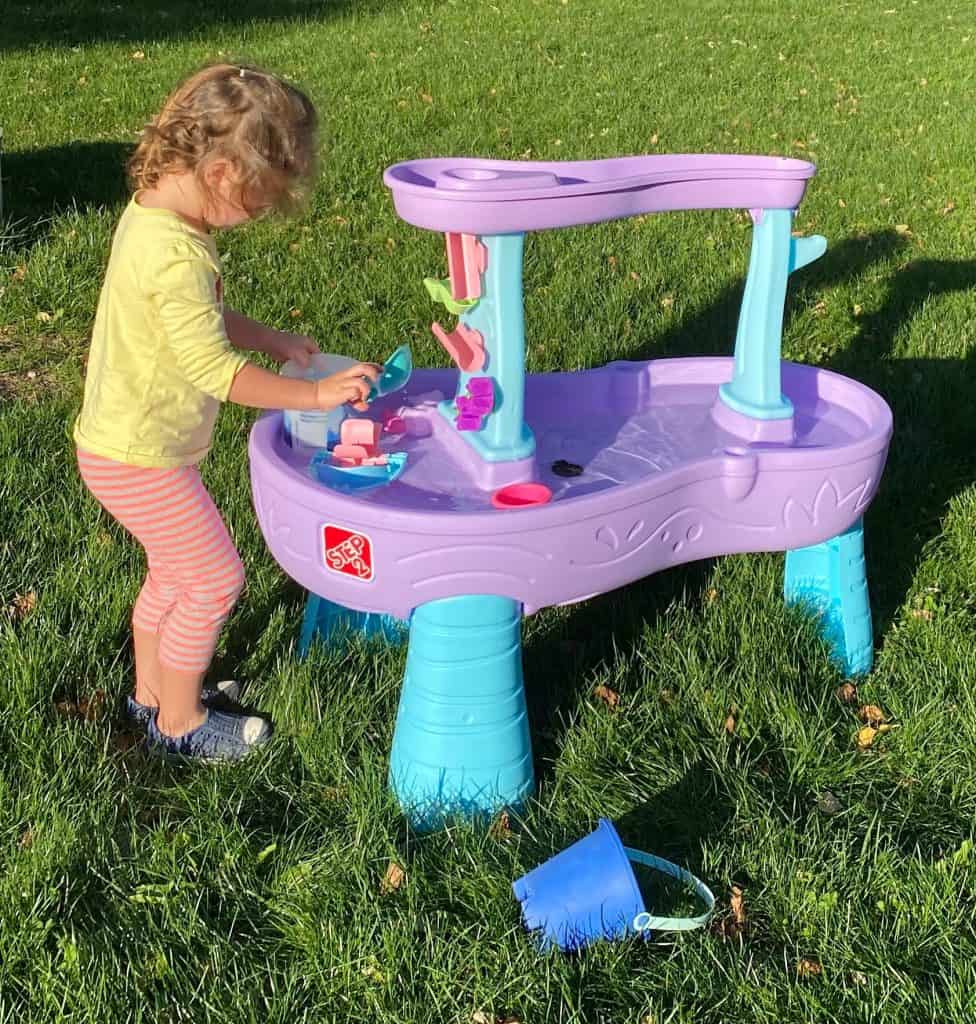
x,y
354,453
466,262
464,345
364,432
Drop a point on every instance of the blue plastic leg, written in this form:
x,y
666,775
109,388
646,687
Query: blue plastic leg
x,y
830,580
332,622
461,746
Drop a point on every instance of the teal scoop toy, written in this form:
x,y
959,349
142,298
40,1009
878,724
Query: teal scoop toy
x,y
396,373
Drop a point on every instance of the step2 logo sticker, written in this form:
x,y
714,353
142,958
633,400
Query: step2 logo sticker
x,y
348,553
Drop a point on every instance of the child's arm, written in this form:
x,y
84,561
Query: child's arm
x,y
253,336
262,389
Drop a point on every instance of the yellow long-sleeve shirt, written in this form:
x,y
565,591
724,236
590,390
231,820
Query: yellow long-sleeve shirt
x,y
160,362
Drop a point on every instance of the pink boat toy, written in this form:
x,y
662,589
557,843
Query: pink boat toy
x,y
567,485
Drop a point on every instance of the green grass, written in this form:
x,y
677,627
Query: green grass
x,y
134,893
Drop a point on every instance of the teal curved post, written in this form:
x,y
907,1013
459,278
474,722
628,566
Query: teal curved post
x,y
830,580
461,747
755,386
499,318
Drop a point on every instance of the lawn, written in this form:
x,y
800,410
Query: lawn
x,y
133,893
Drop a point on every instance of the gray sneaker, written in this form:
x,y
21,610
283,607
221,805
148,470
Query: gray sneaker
x,y
222,736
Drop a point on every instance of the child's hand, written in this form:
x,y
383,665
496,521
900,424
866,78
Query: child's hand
x,y
347,386
283,346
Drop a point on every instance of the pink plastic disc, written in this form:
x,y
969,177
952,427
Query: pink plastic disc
x,y
521,496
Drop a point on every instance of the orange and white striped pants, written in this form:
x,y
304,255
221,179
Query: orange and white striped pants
x,y
195,574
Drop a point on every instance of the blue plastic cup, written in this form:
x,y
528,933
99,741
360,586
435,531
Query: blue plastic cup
x,y
589,892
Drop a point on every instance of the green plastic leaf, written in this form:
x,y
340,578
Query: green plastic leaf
x,y
440,291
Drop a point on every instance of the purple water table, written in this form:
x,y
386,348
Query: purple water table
x,y
649,464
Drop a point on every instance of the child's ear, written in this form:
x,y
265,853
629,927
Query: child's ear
x,y
215,174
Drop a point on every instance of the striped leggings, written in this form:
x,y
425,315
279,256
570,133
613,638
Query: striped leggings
x,y
195,574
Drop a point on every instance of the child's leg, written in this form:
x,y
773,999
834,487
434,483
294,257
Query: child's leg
x,y
194,579
145,643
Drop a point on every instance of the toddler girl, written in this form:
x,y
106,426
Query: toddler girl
x,y
229,144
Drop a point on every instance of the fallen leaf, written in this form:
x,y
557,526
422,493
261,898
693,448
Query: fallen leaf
x,y
729,725
903,230
44,317
426,97
610,697
390,245
19,273
294,246
83,80
138,55
24,604
294,313
482,1017
737,906
667,302
948,208
846,693
711,595
32,374
859,977
828,804
922,613
393,878
865,737
612,260
808,968
86,709
26,841
654,139
733,924
858,309
820,308
869,733
871,714
634,276
501,827
842,204
666,697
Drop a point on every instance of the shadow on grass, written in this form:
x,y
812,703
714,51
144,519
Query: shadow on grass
x,y
932,457
40,184
80,22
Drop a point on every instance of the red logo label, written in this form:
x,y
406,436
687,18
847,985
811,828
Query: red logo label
x,y
348,553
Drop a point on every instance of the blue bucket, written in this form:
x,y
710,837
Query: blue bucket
x,y
589,892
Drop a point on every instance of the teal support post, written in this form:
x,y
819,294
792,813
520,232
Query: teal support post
x,y
461,748
499,318
755,388
830,580
330,622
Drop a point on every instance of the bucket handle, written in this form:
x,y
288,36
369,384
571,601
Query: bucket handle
x,y
645,922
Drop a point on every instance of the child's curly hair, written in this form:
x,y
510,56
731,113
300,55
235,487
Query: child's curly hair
x,y
264,127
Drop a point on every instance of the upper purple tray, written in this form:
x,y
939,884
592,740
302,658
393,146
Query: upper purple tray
x,y
499,196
